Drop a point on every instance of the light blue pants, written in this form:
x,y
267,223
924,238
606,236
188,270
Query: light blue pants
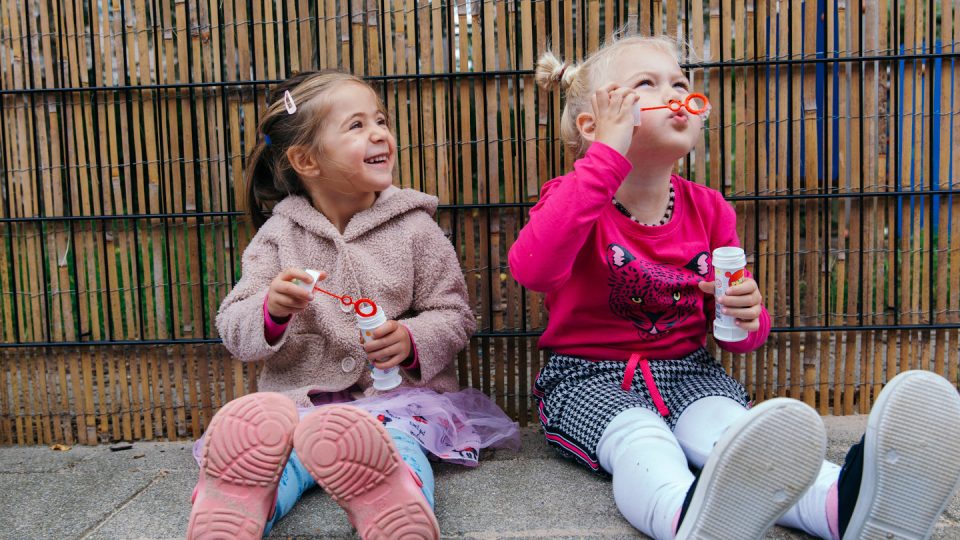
x,y
295,480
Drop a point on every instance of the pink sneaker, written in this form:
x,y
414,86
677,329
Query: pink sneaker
x,y
246,447
353,458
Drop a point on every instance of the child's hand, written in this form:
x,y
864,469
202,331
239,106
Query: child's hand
x,y
285,297
613,114
390,345
742,301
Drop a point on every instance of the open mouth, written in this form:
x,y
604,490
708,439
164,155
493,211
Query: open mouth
x,y
378,159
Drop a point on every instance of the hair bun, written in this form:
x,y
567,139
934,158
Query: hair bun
x,y
552,72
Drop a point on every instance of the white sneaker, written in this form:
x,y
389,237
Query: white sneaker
x,y
911,459
758,469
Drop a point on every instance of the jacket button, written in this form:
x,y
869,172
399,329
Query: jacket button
x,y
348,364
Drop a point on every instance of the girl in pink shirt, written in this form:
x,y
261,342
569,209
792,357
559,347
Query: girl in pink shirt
x,y
622,249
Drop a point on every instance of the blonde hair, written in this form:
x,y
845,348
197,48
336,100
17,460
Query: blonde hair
x,y
580,81
269,175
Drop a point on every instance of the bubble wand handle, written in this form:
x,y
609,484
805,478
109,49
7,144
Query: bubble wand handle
x,y
690,103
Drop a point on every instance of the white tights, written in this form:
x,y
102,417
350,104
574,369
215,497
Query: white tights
x,y
651,476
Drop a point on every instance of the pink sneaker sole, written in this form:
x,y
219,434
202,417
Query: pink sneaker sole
x,y
247,446
353,458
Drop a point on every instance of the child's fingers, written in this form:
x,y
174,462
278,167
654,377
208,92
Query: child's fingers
x,y
386,354
294,291
385,329
747,287
604,93
708,287
376,346
749,326
607,88
290,274
741,300
293,303
595,106
620,99
744,313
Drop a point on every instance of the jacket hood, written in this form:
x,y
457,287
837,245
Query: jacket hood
x,y
391,203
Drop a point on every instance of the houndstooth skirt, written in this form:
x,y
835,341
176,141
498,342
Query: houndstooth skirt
x,y
578,398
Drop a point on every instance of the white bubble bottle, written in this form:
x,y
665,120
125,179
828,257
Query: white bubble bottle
x,y
368,321
729,264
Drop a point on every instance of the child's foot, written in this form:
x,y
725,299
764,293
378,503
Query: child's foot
x,y
758,469
899,478
246,447
353,458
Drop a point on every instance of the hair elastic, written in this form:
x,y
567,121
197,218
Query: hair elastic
x,y
266,139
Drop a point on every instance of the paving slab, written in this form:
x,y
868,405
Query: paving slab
x,y
144,493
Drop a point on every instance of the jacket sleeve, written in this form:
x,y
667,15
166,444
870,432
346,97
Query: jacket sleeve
x,y
725,234
240,318
542,257
441,320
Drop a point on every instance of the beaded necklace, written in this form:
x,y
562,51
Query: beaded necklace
x,y
663,221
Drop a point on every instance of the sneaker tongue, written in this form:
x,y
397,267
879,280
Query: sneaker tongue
x,y
848,485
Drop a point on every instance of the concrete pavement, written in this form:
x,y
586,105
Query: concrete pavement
x,y
144,492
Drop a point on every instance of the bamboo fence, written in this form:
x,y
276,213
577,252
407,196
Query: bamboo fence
x,y
125,125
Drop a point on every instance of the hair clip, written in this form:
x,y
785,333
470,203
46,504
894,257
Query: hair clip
x,y
289,103
266,139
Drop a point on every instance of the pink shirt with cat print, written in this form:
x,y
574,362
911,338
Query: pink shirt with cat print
x,y
615,287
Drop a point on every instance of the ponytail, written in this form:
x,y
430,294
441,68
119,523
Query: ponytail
x,y
269,177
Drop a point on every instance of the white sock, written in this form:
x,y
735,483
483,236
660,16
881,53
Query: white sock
x,y
650,473
702,424
810,512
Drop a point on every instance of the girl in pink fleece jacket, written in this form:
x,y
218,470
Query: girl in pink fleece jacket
x,y
324,168
621,247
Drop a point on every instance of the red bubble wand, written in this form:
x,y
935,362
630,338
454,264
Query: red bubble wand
x,y
347,301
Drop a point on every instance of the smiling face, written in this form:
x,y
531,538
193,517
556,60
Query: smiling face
x,y
657,79
355,140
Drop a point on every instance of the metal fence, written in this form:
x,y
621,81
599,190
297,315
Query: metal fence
x,y
125,126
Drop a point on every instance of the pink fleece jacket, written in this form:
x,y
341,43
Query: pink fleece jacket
x,y
615,287
392,252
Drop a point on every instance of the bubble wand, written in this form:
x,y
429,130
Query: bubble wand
x,y
368,320
694,103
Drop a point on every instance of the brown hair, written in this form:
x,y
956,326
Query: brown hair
x,y
579,81
269,176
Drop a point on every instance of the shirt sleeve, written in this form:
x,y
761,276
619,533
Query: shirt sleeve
x,y
542,257
272,330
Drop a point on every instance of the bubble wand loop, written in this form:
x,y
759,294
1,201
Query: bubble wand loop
x,y
694,103
347,300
